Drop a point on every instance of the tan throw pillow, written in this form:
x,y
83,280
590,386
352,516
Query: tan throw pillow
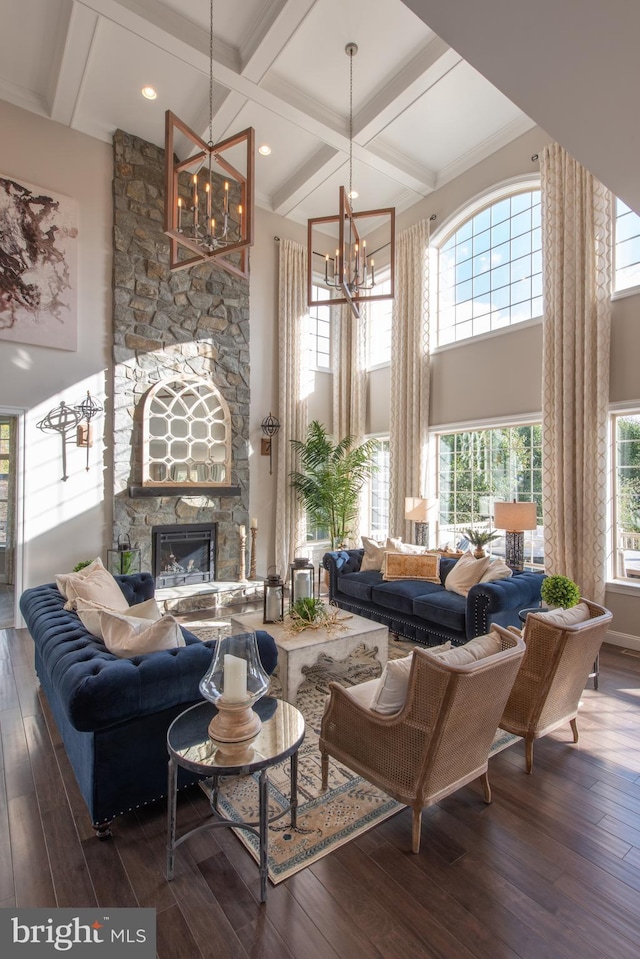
x,y
474,650
497,569
407,566
374,553
466,573
392,686
397,546
566,617
89,614
63,578
129,636
99,587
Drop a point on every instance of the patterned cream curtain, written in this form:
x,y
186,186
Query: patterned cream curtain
x,y
292,410
576,244
410,369
349,357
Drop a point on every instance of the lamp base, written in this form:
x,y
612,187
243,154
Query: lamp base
x,y
234,723
421,534
514,550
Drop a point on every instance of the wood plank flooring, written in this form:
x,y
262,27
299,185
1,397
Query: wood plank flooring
x,y
550,870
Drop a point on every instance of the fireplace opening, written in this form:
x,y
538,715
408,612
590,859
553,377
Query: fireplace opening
x,y
182,554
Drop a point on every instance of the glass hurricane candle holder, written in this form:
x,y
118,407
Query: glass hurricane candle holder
x,y
233,683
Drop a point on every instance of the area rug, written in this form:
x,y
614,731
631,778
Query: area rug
x,y
326,820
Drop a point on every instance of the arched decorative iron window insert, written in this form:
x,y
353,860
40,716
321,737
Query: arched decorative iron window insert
x,y
186,431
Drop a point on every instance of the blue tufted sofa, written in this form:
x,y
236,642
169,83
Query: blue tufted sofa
x,y
427,612
113,713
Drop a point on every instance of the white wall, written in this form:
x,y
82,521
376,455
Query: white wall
x,y
64,522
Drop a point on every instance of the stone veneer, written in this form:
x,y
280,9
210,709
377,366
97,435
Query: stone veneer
x,y
186,322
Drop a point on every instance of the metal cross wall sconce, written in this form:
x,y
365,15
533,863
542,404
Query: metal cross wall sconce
x,y
270,427
63,419
88,409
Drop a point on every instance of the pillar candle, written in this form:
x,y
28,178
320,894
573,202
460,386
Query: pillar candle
x,y
242,531
301,584
235,679
254,523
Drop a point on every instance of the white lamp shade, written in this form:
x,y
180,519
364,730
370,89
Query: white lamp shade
x,y
514,517
416,509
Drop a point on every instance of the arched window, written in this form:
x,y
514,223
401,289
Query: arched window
x,y
186,434
489,272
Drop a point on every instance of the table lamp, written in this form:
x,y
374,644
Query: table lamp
x,y
514,518
415,509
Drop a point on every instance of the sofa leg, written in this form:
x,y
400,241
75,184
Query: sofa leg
x,y
103,831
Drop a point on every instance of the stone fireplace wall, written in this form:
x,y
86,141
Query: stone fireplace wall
x,y
187,322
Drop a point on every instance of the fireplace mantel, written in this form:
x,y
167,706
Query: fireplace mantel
x,y
135,492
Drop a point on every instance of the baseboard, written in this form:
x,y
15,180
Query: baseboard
x,y
625,640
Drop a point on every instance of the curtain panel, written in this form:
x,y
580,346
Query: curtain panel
x,y
577,255
410,372
292,410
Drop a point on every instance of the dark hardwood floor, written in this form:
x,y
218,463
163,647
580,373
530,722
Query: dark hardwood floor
x,y
550,870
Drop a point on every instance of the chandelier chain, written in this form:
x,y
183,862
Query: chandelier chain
x,y
211,74
351,52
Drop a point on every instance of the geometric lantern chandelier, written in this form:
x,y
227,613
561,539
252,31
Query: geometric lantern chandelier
x,y
349,276
209,200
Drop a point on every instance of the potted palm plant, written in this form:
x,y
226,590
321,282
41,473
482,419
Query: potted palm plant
x,y
479,538
330,477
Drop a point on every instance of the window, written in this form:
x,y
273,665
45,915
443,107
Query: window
x,y
490,269
626,434
627,248
379,322
379,492
5,466
476,468
319,332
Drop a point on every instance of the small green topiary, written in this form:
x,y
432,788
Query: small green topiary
x,y
82,564
560,591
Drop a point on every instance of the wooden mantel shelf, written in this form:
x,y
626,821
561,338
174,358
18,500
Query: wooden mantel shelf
x,y
135,492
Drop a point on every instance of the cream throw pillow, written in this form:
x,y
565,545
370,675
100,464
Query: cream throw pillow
x,y
474,650
566,617
130,636
466,573
63,578
374,553
89,614
393,684
497,569
98,586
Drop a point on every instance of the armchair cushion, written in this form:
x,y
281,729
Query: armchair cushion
x,y
471,652
565,617
390,691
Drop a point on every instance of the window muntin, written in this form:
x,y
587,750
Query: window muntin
x,y
490,269
476,468
626,486
379,324
627,248
318,332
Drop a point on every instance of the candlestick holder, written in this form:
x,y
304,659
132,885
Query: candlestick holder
x,y
243,556
252,553
233,683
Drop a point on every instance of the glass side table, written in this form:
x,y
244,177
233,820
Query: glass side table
x,y
189,746
595,671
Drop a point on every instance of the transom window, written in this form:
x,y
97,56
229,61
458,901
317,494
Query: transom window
x,y
490,269
379,323
476,468
627,247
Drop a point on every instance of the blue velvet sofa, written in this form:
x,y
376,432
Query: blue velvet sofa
x,y
427,612
113,713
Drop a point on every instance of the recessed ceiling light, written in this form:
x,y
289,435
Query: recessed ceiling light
x,y
354,195
149,93
264,150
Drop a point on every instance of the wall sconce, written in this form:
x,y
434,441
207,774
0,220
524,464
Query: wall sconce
x,y
270,427
514,518
62,419
88,409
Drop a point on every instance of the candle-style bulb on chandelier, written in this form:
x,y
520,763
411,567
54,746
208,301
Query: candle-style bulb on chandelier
x,y
350,274
209,202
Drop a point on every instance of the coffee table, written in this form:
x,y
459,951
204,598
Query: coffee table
x,y
298,651
189,745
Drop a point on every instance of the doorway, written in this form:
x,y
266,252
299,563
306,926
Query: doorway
x,y
10,528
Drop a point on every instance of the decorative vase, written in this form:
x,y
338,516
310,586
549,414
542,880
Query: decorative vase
x,y
233,683
479,552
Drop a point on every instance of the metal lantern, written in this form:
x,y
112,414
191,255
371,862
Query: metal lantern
x,y
301,579
273,609
124,558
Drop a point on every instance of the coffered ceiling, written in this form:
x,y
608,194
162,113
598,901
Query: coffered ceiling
x,y
422,115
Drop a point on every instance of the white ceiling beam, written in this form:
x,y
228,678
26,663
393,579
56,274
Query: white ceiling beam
x,y
271,34
308,178
77,31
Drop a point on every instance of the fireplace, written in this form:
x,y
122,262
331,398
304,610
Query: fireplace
x,y
182,554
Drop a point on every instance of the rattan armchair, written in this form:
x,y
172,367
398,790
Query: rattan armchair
x,y
438,742
558,661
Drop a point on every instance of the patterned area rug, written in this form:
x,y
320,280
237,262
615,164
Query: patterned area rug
x,y
326,820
